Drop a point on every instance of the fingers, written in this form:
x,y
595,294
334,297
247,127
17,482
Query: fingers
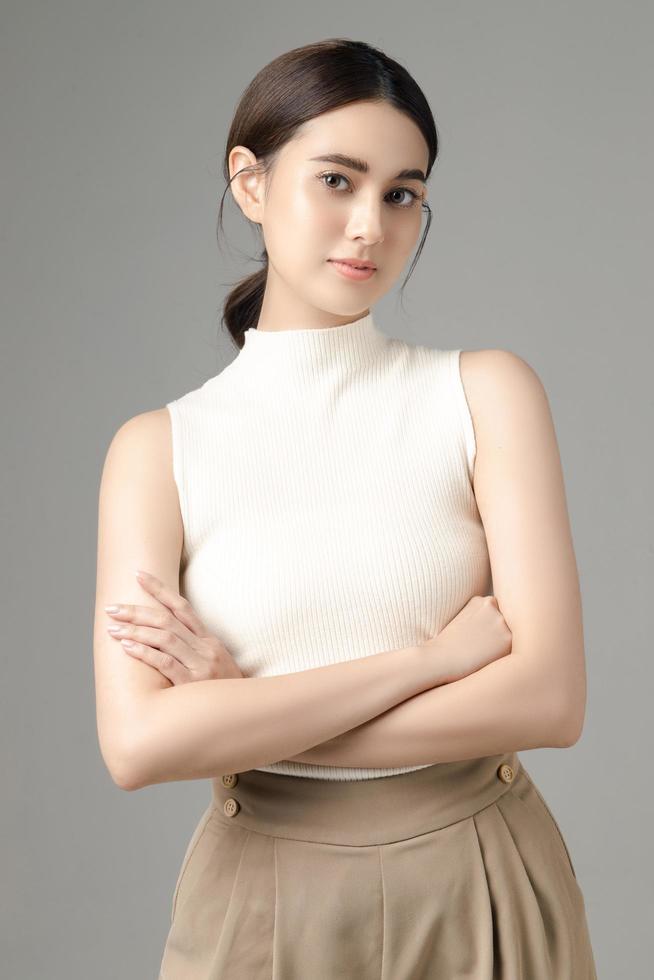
x,y
166,664
179,606
158,617
166,641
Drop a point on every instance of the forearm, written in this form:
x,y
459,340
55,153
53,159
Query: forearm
x,y
199,730
503,707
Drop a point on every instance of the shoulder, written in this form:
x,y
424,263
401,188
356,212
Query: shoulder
x,y
137,485
501,387
140,455
147,435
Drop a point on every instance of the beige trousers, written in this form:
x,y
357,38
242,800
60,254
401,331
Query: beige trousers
x,y
457,871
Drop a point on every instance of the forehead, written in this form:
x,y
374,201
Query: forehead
x,y
376,134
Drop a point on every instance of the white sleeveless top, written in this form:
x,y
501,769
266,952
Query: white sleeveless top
x,y
324,479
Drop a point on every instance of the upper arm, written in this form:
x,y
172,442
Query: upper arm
x,y
139,526
519,488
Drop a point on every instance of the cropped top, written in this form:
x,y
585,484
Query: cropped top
x,y
325,486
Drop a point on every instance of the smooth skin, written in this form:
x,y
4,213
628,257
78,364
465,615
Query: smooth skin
x,y
507,673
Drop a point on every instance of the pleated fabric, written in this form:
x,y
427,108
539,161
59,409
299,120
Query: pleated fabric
x,y
457,871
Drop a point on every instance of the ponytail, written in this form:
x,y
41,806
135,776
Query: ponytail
x,y
242,306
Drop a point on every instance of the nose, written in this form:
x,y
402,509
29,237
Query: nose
x,y
366,222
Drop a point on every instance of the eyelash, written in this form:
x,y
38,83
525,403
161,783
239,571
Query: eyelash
x,y
416,197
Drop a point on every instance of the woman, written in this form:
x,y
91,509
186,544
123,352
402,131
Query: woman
x,y
337,502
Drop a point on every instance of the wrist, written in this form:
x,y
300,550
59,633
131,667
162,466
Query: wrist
x,y
433,663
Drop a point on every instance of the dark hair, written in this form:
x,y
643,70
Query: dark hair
x,y
292,89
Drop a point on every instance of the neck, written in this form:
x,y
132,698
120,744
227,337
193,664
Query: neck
x,y
304,351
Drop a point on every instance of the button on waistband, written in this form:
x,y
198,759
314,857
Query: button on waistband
x,y
231,807
230,779
505,773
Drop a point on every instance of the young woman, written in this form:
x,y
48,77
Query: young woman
x,y
336,503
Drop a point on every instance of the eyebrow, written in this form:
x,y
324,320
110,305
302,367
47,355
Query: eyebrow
x,y
355,164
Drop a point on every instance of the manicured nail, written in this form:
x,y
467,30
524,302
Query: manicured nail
x,y
111,609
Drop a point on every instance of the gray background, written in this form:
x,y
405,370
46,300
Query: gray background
x,y
113,120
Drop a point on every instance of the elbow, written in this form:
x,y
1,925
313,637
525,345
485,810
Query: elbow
x,y
556,716
121,774
125,766
125,778
568,724
122,780
125,747
573,731
133,772
566,709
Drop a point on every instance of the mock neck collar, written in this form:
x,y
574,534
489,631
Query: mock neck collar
x,y
308,350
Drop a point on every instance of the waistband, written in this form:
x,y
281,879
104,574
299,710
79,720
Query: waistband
x,y
366,811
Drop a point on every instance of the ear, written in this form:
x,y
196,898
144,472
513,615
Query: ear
x,y
248,186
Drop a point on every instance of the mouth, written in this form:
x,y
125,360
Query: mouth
x,y
353,269
356,263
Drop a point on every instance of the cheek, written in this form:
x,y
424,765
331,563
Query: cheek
x,y
302,225
411,229
402,231
312,213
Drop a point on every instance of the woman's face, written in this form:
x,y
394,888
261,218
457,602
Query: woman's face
x,y
315,210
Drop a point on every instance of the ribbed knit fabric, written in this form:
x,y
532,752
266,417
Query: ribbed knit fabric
x,y
324,479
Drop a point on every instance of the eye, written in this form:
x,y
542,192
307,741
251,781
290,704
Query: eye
x,y
330,174
415,198
407,190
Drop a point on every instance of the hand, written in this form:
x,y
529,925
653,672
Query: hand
x,y
476,636
171,637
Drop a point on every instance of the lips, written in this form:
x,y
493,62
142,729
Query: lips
x,y
356,263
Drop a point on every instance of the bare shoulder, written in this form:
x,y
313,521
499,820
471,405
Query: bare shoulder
x,y
500,386
148,432
138,486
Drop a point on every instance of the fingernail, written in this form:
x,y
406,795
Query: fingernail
x,y
127,643
139,572
111,609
